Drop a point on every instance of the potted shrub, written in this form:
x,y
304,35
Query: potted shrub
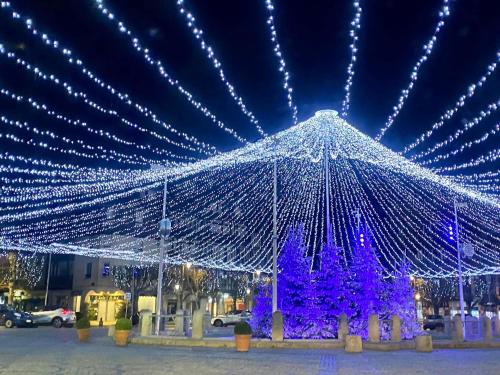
x,y
83,329
122,330
242,336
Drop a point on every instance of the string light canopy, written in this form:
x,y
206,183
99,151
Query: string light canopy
x,y
332,178
221,207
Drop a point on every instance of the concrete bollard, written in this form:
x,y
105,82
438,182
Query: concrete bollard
x,y
343,327
197,325
458,329
179,322
277,334
373,328
111,330
423,344
146,323
447,325
207,322
206,315
396,329
486,328
353,344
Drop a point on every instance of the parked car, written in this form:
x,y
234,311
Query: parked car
x,y
57,317
434,322
232,317
10,318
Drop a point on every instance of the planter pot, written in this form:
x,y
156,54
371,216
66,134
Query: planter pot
x,y
83,334
121,337
242,342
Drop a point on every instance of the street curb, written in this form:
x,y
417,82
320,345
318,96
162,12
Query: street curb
x,y
307,344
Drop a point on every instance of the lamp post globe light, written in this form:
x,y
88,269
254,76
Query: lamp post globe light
x,y
165,227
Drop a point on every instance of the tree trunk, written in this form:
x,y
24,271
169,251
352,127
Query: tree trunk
x,y
468,305
436,308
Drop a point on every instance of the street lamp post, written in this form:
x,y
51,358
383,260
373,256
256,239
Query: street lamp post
x,y
459,256
275,236
327,192
165,229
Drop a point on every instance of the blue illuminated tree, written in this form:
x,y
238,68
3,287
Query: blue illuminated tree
x,y
366,286
331,287
261,320
402,303
296,294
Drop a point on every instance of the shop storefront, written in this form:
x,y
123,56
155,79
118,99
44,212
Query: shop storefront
x,y
105,305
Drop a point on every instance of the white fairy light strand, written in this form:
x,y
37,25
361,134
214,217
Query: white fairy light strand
x,y
488,111
198,32
463,147
124,97
281,60
489,157
139,47
444,12
353,33
68,89
449,113
42,107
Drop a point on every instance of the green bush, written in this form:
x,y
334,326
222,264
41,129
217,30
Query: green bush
x,y
123,324
82,323
242,328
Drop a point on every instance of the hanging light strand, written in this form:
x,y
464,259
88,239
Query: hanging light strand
x,y
198,32
462,100
139,47
70,58
444,12
281,61
353,33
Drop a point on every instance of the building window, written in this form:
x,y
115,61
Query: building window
x,y
88,271
105,270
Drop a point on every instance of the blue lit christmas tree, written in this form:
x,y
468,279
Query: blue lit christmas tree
x,y
331,287
401,302
296,293
366,285
311,304
261,320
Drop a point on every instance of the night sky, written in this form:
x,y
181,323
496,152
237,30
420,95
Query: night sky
x,y
314,37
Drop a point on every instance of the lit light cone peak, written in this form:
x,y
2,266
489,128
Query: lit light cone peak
x,y
307,140
221,207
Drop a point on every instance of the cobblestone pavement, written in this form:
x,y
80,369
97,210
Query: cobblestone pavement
x,y
46,350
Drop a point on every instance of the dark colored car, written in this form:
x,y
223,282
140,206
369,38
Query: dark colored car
x,y
434,322
11,318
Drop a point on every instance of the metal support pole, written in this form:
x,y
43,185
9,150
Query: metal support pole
x,y
275,236
132,293
460,281
160,266
48,280
327,192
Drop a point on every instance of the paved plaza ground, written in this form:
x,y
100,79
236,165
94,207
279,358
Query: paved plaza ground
x,y
46,350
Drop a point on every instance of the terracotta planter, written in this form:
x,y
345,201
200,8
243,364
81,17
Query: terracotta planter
x,y
121,337
242,342
83,334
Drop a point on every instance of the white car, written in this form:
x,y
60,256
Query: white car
x,y
57,317
232,317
